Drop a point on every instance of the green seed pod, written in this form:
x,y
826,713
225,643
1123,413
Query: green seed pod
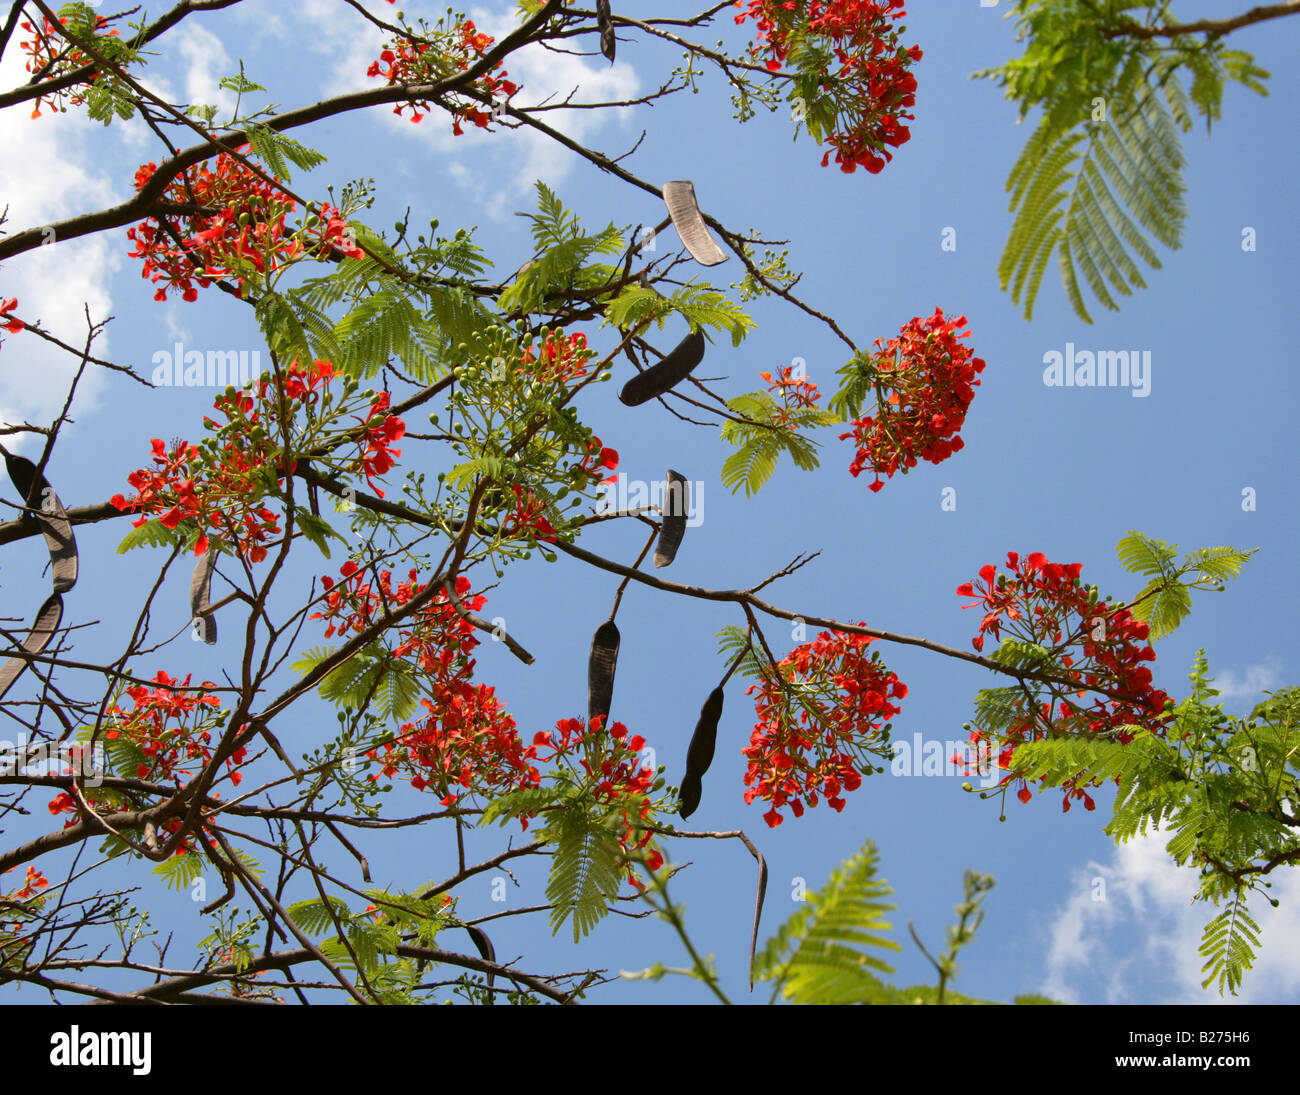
x,y
676,504
663,375
600,671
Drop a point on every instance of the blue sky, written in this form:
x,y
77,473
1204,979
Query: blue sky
x,y
1066,471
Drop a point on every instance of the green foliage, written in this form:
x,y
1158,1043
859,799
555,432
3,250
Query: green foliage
x,y
700,305
561,265
585,869
1102,175
278,150
372,679
763,429
150,534
1165,600
1220,788
817,955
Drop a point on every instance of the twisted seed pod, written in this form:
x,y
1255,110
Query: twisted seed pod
x,y
47,623
200,591
50,515
606,24
665,374
700,753
600,671
679,196
677,503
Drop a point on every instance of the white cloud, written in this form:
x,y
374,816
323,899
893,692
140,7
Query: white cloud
x,y
1138,943
46,178
1248,685
206,63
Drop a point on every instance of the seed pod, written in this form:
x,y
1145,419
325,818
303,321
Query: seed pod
x,y
600,671
690,797
37,493
679,196
665,374
200,591
484,946
606,24
676,505
700,753
38,638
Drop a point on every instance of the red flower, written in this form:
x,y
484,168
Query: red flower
x,y
1100,648
823,713
931,377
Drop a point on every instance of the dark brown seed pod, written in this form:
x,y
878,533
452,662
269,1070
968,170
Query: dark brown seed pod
x,y
606,24
600,671
700,753
665,374
676,505
484,946
200,591
679,196
38,638
690,790
50,515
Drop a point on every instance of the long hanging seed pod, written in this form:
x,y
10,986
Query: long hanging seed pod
x,y
665,374
50,515
600,671
606,24
200,592
679,196
676,505
38,638
485,949
700,753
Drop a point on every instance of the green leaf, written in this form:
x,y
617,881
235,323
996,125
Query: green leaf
x,y
150,534
585,869
817,955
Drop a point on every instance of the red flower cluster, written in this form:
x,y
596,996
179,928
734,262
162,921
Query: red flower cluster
x,y
381,430
35,881
820,718
613,761
244,223
933,378
796,392
412,61
562,359
10,323
1046,603
354,604
872,90
168,725
599,460
49,55
466,743
223,489
529,518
